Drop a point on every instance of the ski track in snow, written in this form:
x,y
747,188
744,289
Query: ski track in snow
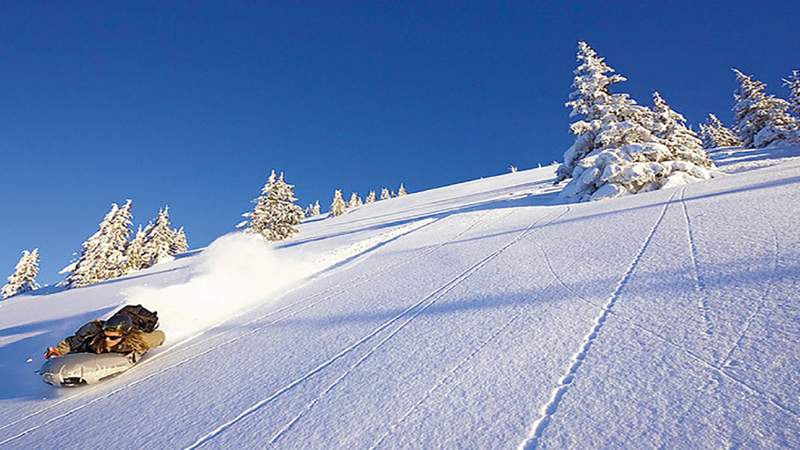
x,y
699,283
452,373
333,291
566,381
757,310
415,310
714,368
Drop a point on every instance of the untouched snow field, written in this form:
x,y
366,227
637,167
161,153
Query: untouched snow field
x,y
480,315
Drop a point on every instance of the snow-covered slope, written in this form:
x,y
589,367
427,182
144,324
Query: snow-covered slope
x,y
479,315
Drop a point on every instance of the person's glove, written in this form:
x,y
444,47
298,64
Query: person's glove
x,y
51,352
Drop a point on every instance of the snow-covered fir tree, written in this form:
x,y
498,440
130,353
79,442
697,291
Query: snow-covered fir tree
x,y
354,201
793,83
670,128
159,239
620,147
117,242
402,190
385,195
607,120
313,209
275,214
371,197
513,168
179,242
103,254
714,134
135,256
24,277
760,119
338,206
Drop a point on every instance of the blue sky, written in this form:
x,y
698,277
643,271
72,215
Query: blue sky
x,y
190,104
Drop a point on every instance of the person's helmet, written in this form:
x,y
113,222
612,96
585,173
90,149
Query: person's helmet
x,y
119,322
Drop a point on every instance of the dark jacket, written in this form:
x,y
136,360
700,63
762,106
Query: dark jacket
x,y
87,338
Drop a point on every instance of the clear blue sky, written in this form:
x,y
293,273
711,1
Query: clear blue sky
x,y
191,104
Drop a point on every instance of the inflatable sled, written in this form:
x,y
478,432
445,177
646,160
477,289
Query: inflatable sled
x,y
76,369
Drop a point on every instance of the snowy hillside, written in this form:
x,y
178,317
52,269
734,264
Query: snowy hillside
x,y
480,315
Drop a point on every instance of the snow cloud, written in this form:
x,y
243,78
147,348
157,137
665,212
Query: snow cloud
x,y
236,272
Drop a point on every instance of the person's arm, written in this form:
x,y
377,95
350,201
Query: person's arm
x,y
75,342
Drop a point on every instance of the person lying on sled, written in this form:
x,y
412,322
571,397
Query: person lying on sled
x,y
118,334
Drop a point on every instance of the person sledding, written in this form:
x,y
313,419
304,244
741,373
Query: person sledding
x,y
130,330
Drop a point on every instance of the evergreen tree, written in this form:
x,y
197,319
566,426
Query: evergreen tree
x,y
275,214
353,203
24,277
714,134
793,83
103,254
158,241
313,209
117,243
135,256
670,128
402,191
620,147
371,197
338,206
179,242
608,120
385,194
761,119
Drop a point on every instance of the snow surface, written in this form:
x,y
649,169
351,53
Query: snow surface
x,y
479,315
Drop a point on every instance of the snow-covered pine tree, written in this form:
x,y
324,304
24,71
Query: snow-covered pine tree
x,y
670,128
179,242
621,147
315,209
385,194
275,214
24,277
402,190
793,83
135,256
714,134
761,119
353,203
103,254
338,206
117,242
513,168
158,241
371,197
608,120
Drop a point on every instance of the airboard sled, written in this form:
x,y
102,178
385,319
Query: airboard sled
x,y
76,369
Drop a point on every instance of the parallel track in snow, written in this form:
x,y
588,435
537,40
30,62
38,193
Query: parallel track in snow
x,y
412,312
326,294
550,408
714,367
452,373
699,283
